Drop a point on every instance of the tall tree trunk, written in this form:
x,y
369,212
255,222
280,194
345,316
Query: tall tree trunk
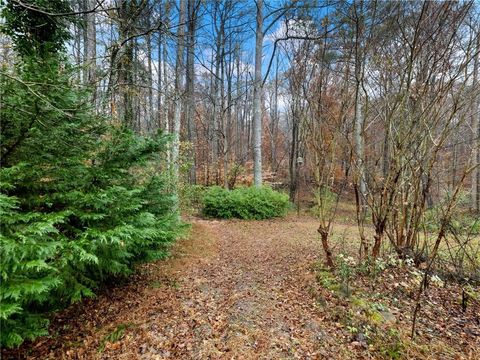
x,y
160,90
292,165
476,128
246,121
225,110
127,8
222,119
228,130
238,118
257,98
190,99
166,101
139,118
359,121
90,47
150,116
359,141
360,145
274,124
178,95
83,7
217,94
77,41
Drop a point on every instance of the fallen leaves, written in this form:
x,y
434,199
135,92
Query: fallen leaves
x,y
246,290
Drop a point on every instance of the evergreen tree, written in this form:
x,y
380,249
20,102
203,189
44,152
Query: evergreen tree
x,y
81,200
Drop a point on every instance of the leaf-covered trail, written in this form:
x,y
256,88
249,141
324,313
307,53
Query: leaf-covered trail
x,y
248,300
237,293
233,290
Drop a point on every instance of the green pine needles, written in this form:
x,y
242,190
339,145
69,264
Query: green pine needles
x,y
81,201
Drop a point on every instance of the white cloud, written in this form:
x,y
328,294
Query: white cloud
x,y
293,27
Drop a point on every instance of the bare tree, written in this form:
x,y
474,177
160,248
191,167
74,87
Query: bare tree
x,y
90,46
475,123
178,94
126,18
257,97
190,81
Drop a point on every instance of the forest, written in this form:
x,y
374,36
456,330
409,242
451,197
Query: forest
x,y
239,179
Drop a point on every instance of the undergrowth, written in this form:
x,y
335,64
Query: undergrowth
x,y
253,203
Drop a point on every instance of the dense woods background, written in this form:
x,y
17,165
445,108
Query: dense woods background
x,y
365,84
116,113
336,72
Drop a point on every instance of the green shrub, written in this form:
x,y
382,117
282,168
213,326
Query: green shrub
x,y
244,203
80,202
69,224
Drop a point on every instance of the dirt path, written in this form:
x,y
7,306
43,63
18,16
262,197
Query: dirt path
x,y
247,290
244,297
233,290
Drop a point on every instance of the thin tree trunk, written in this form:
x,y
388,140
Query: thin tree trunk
x,y
274,124
165,74
358,136
359,141
227,72
293,171
257,98
126,64
229,132
178,95
238,118
159,75
217,110
190,99
246,120
150,115
77,42
90,47
476,129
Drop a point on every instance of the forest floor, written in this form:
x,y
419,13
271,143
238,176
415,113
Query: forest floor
x,y
256,290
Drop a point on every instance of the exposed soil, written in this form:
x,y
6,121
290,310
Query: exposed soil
x,y
248,290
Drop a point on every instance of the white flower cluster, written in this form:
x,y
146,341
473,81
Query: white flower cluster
x,y
409,262
435,280
349,260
